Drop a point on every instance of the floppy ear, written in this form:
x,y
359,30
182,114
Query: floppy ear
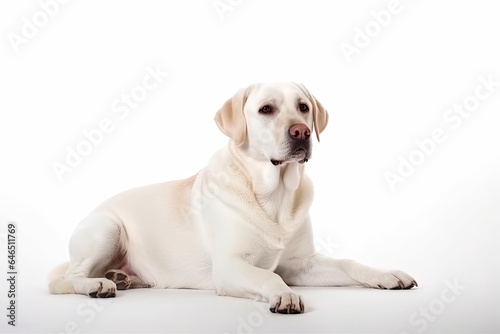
x,y
320,117
230,118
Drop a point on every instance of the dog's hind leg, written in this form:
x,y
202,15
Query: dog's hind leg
x,y
97,244
125,279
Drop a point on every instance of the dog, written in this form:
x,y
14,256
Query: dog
x,y
240,226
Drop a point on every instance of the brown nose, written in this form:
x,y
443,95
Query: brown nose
x,y
299,131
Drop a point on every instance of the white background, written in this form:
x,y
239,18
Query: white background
x,y
441,224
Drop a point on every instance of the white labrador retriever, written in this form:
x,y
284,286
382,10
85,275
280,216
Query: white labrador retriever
x,y
240,226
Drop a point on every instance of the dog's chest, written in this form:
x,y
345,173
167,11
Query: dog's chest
x,y
283,209
279,219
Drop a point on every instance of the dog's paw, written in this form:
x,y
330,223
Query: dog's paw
x,y
287,303
121,278
102,288
393,280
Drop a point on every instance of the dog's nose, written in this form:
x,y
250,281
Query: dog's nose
x,y
299,131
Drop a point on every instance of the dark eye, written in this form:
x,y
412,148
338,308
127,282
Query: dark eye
x,y
266,109
303,107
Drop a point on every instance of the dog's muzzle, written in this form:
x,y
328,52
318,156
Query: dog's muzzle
x,y
300,145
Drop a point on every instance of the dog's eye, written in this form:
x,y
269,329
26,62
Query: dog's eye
x,y
303,107
266,109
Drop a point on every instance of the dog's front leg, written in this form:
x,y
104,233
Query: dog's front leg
x,y
240,279
301,265
319,270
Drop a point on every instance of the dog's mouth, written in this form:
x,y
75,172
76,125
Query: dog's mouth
x,y
300,155
280,162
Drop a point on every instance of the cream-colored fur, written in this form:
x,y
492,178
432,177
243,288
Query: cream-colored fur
x,y
239,226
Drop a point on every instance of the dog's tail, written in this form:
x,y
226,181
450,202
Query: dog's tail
x,y
57,283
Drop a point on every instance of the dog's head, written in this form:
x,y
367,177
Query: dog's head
x,y
273,121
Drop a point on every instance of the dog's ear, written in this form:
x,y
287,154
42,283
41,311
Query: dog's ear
x,y
320,115
230,118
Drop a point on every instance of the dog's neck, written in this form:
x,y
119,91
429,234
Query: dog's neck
x,y
265,176
279,190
